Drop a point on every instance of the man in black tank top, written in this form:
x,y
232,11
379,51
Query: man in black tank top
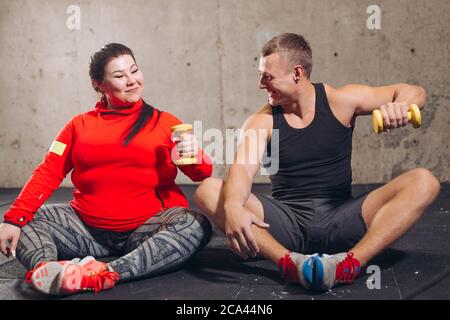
x,y
311,226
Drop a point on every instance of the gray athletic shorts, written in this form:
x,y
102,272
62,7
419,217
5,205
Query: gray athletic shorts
x,y
315,225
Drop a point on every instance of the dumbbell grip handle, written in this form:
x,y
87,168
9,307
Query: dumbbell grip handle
x,y
409,115
413,114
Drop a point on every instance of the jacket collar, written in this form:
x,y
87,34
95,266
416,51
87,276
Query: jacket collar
x,y
102,109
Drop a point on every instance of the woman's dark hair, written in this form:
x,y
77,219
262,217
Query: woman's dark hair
x,y
146,114
97,72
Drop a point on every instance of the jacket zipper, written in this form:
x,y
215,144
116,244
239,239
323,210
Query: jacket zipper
x,y
160,199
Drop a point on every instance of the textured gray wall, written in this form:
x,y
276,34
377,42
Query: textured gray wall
x,y
199,59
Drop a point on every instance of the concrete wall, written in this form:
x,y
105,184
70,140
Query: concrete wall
x,y
199,59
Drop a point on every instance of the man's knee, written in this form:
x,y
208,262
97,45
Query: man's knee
x,y
208,192
425,185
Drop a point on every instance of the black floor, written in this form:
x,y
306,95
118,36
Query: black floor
x,y
415,267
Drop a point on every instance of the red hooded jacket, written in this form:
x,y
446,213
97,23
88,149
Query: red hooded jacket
x,y
117,187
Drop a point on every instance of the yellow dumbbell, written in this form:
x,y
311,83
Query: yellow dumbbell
x,y
178,130
414,117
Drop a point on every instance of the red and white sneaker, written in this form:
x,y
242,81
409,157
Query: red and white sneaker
x,y
68,277
320,272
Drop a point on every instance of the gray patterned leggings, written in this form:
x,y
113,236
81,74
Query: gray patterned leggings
x,y
163,243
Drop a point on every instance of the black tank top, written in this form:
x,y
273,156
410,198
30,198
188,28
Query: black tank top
x,y
313,162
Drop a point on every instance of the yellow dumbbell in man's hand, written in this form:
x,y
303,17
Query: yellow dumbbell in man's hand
x,y
414,117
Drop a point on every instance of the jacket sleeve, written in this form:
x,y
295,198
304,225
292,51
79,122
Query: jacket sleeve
x,y
199,171
44,180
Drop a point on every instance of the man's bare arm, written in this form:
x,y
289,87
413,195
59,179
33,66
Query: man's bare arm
x,y
364,99
240,177
237,186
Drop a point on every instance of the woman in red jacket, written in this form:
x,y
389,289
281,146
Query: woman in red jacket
x,y
125,202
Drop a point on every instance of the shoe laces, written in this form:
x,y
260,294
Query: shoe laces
x,y
348,269
96,280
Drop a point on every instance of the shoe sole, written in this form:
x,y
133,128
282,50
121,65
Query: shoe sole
x,y
313,273
317,273
46,278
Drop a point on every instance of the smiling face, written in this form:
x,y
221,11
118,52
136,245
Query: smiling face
x,y
123,82
277,80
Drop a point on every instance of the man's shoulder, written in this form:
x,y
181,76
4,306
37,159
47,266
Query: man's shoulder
x,y
344,96
261,118
346,91
334,92
266,109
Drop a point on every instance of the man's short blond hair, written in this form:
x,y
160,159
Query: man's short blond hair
x,y
293,48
